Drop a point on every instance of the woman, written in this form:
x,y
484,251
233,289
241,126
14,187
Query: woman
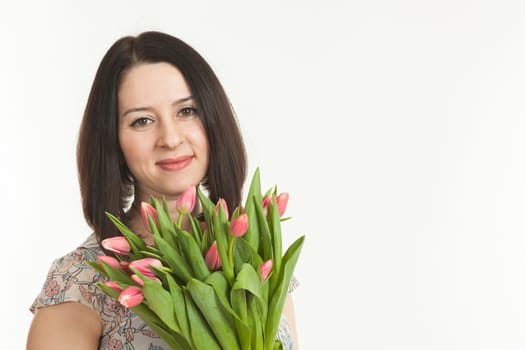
x,y
157,120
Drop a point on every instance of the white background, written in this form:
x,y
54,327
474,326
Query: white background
x,y
396,126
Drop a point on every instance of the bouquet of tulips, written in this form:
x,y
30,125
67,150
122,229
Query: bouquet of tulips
x,y
220,285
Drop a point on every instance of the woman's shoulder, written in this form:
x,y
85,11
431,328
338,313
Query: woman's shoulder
x,y
71,278
75,261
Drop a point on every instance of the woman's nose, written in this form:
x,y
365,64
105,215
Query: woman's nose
x,y
169,135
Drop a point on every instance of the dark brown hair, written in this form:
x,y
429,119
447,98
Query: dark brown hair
x,y
105,181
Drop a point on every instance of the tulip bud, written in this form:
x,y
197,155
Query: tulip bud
x,y
139,280
186,201
239,226
212,257
118,245
204,226
144,266
124,265
265,269
222,202
282,202
131,296
109,260
145,210
113,285
266,201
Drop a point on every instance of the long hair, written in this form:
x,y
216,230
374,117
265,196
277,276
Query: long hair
x,y
106,185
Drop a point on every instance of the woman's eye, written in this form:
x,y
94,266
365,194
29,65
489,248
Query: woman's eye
x,y
143,121
188,111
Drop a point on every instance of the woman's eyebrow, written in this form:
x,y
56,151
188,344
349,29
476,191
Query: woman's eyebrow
x,y
142,109
181,100
137,109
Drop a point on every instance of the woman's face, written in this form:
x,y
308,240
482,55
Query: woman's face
x,y
160,133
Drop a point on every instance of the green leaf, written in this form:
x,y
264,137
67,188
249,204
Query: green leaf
x,y
245,253
173,259
109,291
222,237
263,303
96,266
220,285
117,275
256,325
179,304
165,224
277,345
238,298
207,205
275,224
173,339
196,231
136,243
265,238
156,255
150,317
248,279
278,298
193,255
255,185
153,226
159,301
202,334
220,321
253,197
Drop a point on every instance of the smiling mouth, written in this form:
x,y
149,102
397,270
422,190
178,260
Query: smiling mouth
x,y
174,164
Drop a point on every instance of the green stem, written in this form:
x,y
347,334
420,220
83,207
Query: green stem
x,y
179,220
230,251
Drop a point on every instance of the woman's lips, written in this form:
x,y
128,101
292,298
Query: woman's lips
x,y
174,164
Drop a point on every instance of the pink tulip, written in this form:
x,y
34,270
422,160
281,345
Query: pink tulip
x,y
113,285
139,280
145,210
282,202
239,226
222,202
186,201
131,296
124,265
109,260
212,257
204,226
144,266
266,201
118,245
265,269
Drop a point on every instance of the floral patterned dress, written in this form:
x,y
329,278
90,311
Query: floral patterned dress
x,y
71,279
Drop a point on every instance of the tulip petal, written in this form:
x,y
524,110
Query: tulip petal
x,y
239,226
118,245
282,202
265,269
212,257
145,210
131,297
186,201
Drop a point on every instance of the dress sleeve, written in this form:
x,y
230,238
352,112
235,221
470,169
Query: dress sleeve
x,y
71,279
